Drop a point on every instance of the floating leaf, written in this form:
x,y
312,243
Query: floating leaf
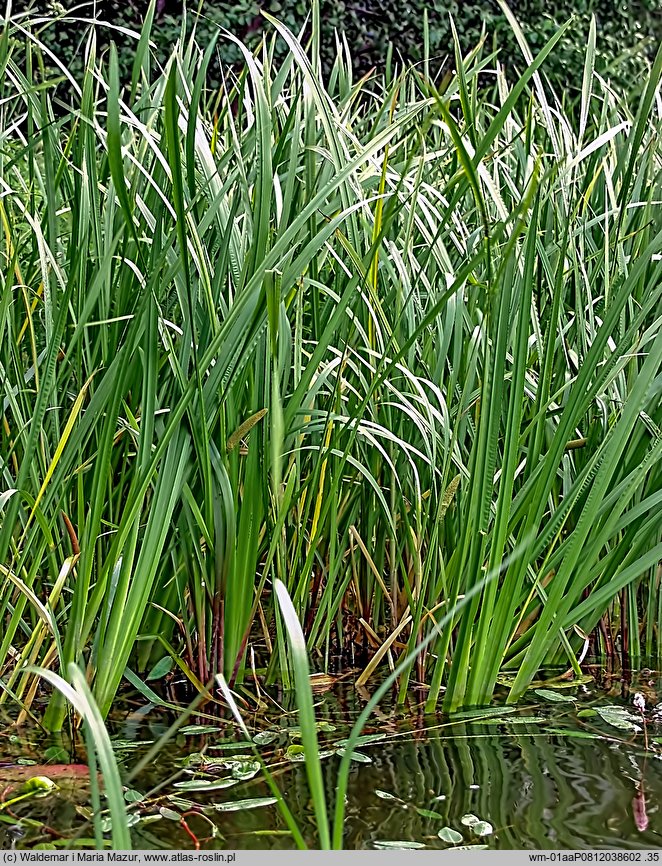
x,y
516,720
471,848
181,803
486,713
366,740
120,745
428,813
190,730
295,753
131,819
38,786
469,820
245,771
133,796
554,697
150,819
359,757
205,784
239,805
386,796
401,845
588,713
569,732
447,834
619,717
482,828
226,747
56,755
169,814
265,737
160,669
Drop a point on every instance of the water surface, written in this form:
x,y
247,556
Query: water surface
x,y
550,774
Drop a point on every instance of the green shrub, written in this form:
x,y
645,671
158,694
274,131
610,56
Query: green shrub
x,y
626,33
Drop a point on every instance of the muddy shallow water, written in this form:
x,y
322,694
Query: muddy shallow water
x,y
572,772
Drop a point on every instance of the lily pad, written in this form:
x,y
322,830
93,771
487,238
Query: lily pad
x,y
447,834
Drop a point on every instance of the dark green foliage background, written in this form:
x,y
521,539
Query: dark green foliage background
x,y
628,32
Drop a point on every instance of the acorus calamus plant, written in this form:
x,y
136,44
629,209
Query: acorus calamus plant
x,y
375,339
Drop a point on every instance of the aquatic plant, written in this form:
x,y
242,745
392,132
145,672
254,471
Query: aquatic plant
x,y
367,338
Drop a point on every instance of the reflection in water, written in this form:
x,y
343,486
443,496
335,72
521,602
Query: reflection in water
x,y
555,782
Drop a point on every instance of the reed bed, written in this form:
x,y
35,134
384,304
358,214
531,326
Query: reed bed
x,y
392,342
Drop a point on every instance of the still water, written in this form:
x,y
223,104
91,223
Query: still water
x,y
582,770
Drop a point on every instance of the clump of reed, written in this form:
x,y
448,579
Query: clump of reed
x,y
375,339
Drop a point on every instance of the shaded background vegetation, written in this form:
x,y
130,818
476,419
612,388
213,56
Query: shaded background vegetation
x,y
378,30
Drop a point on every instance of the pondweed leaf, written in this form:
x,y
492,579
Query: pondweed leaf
x,y
482,828
359,757
472,848
132,818
160,669
428,813
515,720
180,802
486,713
570,732
469,820
447,834
169,814
386,796
191,730
240,805
38,786
265,737
133,796
366,740
554,697
205,784
619,717
295,753
398,845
